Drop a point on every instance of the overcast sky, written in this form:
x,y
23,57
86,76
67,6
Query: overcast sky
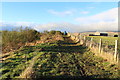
x,y
69,16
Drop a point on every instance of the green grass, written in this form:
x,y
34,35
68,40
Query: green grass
x,y
105,40
58,59
57,62
14,66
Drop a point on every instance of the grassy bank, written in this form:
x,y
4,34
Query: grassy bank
x,y
58,59
13,40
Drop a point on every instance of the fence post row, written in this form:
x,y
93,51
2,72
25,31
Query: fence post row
x,y
83,38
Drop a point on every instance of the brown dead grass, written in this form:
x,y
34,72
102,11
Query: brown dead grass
x,y
46,38
105,55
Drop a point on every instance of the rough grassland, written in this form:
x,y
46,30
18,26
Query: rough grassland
x,y
59,59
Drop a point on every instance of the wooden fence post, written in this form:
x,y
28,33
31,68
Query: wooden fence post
x,y
80,36
84,40
91,42
117,58
115,54
81,39
100,44
75,37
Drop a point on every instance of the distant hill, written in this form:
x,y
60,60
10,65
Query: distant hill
x,y
9,28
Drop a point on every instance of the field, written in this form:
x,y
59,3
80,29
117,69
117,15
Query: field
x,y
107,42
59,40
58,59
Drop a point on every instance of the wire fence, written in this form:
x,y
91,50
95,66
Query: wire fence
x,y
106,47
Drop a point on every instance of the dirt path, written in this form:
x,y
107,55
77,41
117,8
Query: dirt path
x,y
66,59
28,71
71,59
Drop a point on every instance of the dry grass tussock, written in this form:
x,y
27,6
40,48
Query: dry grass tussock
x,y
46,38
